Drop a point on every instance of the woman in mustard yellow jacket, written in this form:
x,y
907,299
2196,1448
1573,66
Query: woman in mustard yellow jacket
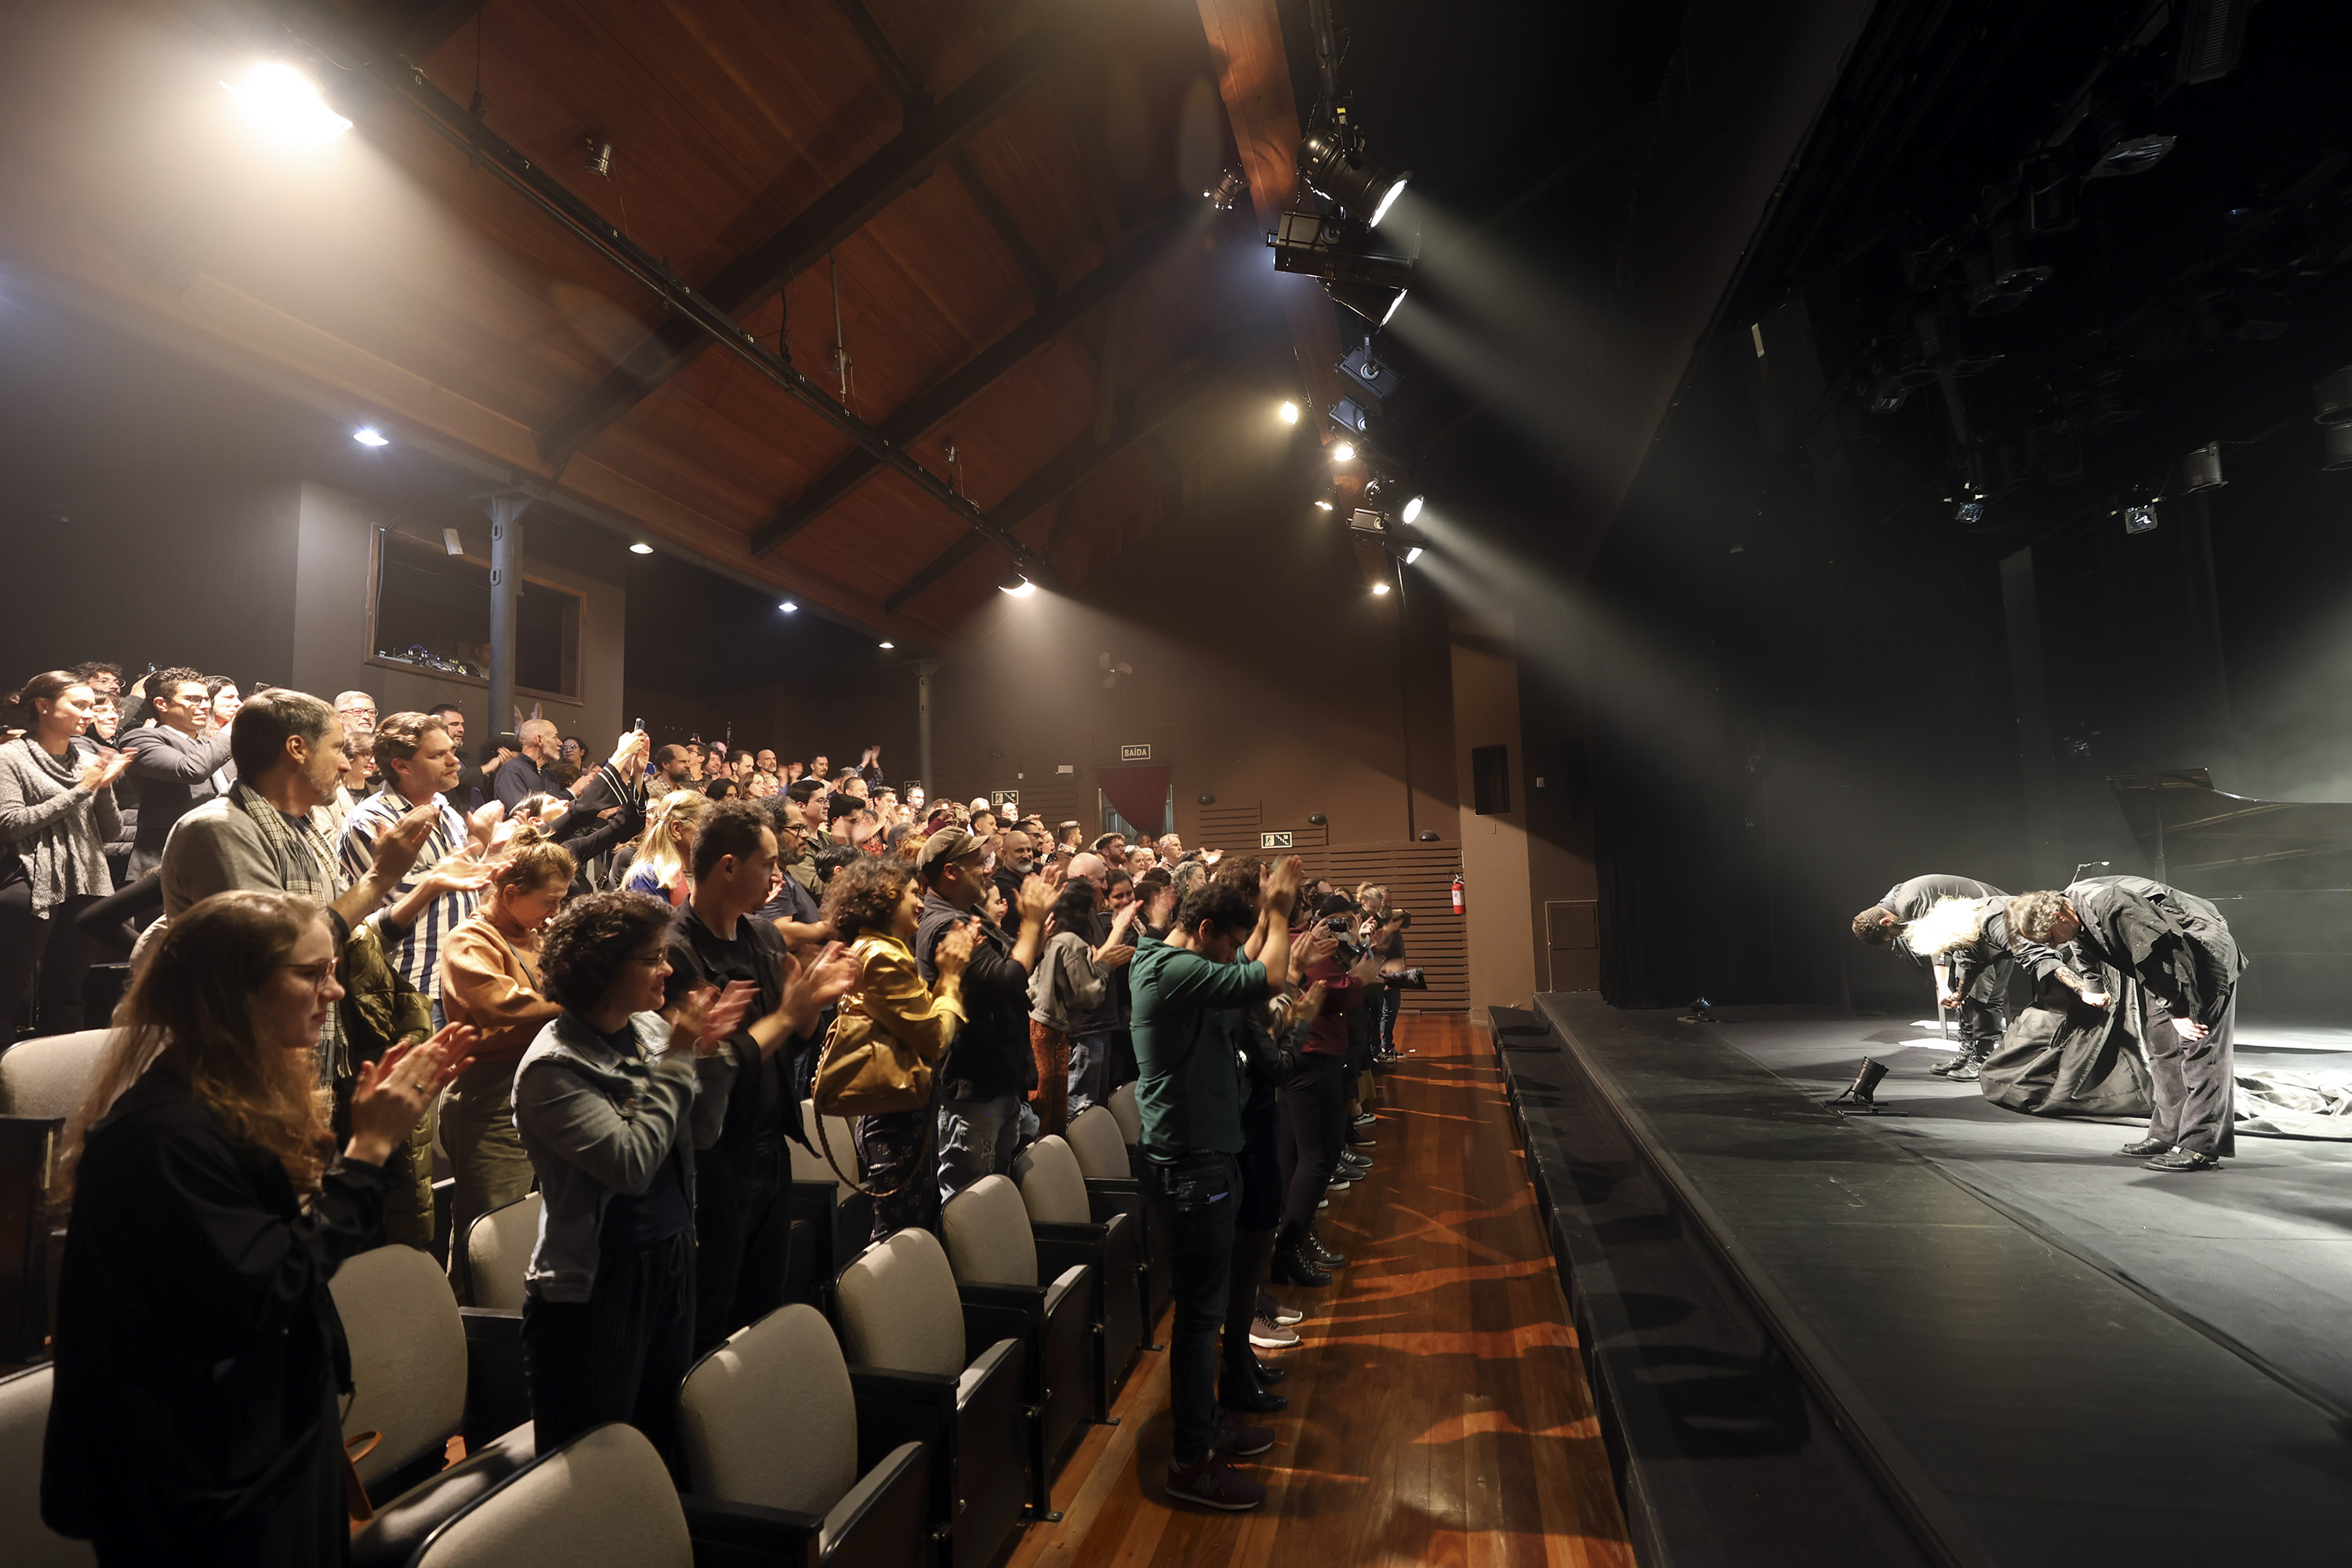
x,y
874,905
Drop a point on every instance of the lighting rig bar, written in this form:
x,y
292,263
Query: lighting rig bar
x,y
407,82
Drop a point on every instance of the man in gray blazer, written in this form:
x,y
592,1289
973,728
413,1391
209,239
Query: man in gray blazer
x,y
174,763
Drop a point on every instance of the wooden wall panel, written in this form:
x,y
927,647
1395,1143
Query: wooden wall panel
x,y
1419,878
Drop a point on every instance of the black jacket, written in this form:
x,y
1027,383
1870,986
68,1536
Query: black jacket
x,y
764,1107
169,772
2174,943
992,1051
198,1351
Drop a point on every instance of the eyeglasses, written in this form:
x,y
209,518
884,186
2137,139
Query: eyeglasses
x,y
314,975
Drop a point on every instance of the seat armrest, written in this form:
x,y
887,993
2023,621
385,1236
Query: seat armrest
x,y
1117,1187
483,1323
884,1518
1103,1207
746,1533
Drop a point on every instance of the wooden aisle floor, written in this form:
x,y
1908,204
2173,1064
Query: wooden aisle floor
x,y
1438,1411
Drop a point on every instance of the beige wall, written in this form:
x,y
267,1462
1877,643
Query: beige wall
x,y
334,538
1497,890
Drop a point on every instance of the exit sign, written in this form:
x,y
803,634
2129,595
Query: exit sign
x,y
1274,841
1135,753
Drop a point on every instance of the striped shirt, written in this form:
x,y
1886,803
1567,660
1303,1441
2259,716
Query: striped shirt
x,y
418,956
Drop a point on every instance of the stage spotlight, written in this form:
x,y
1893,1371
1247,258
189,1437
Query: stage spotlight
x,y
1373,378
1345,452
1380,588
1289,412
1228,192
284,105
369,435
1017,585
1411,512
1969,512
2120,145
2201,469
1372,302
1857,1094
1333,164
789,607
1412,555
2139,519
641,548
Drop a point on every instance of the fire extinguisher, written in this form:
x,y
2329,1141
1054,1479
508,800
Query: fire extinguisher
x,y
1457,893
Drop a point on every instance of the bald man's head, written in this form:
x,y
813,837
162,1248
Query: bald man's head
x,y
1088,867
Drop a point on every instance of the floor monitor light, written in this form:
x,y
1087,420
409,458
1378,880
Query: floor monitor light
x,y
1856,1098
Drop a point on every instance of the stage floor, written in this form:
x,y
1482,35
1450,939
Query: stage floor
x,y
2257,1254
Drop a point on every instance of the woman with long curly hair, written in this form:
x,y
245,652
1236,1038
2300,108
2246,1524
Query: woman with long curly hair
x,y
665,853
875,905
198,1352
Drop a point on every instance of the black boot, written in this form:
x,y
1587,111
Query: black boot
x,y
1970,1067
1237,1384
1294,1265
1322,1253
1267,1374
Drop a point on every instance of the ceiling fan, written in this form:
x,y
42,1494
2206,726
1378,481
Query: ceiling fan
x,y
1111,672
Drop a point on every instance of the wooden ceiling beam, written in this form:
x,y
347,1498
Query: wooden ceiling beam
x,y
1245,39
1080,461
1034,271
925,411
414,28
913,96
760,273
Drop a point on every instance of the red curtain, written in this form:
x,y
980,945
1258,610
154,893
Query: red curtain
x,y
1139,794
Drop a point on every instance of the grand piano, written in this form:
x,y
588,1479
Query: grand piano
x,y
2281,871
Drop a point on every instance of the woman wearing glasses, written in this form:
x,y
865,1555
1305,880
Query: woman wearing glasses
x,y
612,1100
196,1416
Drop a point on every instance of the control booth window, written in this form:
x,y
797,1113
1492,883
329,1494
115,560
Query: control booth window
x,y
430,612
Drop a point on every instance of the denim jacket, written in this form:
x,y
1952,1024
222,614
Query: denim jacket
x,y
597,1123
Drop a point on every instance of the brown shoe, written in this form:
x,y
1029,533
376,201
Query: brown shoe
x,y
1239,1438
1212,1483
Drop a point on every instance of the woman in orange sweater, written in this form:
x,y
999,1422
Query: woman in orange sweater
x,y
490,980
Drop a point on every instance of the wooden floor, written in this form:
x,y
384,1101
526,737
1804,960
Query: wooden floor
x,y
1438,1412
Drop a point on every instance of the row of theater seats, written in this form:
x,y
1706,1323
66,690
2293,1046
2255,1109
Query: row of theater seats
x,y
914,1414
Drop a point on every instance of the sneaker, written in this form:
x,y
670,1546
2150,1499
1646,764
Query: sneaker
x,y
1322,1202
1268,1335
1363,1143
1338,1183
1239,1437
1288,1315
1366,1120
1212,1483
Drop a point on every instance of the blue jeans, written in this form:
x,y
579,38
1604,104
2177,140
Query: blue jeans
x,y
1194,1198
978,1136
1091,1065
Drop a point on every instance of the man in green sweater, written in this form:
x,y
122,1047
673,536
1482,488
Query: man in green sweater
x,y
1218,957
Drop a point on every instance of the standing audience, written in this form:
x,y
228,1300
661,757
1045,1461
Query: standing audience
x,y
176,759
56,815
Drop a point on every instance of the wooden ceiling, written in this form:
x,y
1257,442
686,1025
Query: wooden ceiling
x,y
997,200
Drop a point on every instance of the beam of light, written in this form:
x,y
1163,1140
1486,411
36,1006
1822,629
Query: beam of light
x,y
284,105
1020,590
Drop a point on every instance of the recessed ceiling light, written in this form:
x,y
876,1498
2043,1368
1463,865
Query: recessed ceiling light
x,y
369,435
886,645
284,105
1323,506
1289,413
641,548
789,607
1345,452
1378,588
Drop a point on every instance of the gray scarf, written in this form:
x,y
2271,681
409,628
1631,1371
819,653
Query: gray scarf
x,y
59,831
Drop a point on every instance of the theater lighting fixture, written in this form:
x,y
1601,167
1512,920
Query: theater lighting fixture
x,y
1412,555
1374,379
1358,270
1017,585
2139,519
1969,511
789,607
1332,163
2201,469
1857,1095
1372,302
1411,512
1228,192
1378,588
2120,145
1345,452
641,548
1289,412
284,105
369,435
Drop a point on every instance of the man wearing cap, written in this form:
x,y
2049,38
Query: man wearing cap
x,y
991,1067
